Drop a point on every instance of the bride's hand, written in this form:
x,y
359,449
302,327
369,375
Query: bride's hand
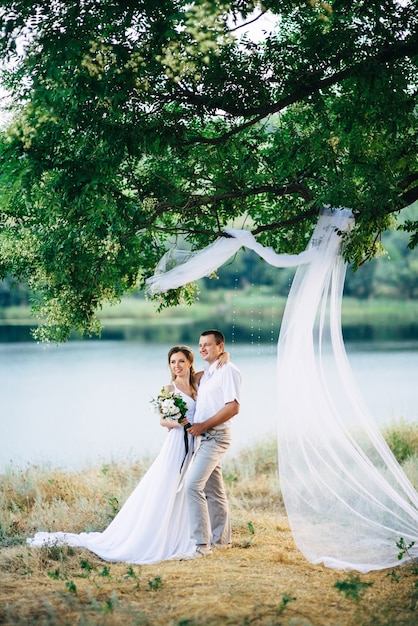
x,y
169,423
223,358
183,421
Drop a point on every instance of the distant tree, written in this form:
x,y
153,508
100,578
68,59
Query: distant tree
x,y
12,294
137,122
396,274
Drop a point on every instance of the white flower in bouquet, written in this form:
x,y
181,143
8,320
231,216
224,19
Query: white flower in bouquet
x,y
169,405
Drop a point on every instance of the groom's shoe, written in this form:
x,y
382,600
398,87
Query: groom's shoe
x,y
201,550
220,546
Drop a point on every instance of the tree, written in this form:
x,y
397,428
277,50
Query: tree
x,y
137,123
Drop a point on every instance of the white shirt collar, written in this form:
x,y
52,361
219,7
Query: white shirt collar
x,y
209,369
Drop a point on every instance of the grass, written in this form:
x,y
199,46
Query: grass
x,y
262,580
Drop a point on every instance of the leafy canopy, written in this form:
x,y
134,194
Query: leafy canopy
x,y
138,123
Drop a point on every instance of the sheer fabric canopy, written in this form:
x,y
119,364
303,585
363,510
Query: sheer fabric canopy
x,y
348,501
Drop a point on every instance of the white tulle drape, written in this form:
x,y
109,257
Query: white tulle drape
x,y
348,501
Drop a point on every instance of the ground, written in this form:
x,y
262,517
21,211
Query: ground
x,y
263,579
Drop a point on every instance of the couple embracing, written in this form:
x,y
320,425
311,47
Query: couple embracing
x,y
217,390
179,509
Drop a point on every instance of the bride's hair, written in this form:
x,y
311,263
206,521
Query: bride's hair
x,y
188,353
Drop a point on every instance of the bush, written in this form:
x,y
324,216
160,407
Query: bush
x,y
402,439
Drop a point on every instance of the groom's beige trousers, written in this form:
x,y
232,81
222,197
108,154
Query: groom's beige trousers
x,y
205,490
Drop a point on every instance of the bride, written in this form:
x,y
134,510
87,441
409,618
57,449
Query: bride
x,y
153,524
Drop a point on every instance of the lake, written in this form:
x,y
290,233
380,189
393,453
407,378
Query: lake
x,y
88,402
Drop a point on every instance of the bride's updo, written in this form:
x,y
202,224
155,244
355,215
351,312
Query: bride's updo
x,y
188,353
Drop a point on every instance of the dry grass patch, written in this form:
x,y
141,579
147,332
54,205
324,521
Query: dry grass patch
x,y
268,582
263,579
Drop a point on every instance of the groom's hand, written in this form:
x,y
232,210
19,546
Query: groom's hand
x,y
196,429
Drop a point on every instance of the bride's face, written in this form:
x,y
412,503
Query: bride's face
x,y
180,364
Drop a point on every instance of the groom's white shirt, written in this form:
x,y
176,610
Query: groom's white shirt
x,y
218,386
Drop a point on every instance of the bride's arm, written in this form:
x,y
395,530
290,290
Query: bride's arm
x,y
169,423
197,377
223,359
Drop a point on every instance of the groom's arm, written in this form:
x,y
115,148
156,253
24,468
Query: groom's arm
x,y
223,415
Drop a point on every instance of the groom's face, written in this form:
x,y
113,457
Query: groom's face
x,y
209,349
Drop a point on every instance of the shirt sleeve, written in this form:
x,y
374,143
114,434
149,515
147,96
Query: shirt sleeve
x,y
231,383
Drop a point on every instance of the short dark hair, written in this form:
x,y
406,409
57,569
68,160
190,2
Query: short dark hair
x,y
219,337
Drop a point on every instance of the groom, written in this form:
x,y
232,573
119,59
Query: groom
x,y
217,403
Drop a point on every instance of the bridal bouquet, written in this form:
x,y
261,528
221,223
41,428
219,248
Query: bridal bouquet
x,y
169,405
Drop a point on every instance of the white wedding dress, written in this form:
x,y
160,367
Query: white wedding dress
x,y
153,524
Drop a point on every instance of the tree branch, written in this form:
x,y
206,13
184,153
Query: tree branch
x,y
387,55
196,201
265,227
232,30
214,141
313,212
410,196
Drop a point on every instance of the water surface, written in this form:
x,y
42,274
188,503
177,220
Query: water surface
x,y
84,403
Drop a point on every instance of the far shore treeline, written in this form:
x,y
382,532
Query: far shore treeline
x,y
247,299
